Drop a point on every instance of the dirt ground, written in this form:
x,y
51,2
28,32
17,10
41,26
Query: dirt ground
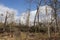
x,y
27,36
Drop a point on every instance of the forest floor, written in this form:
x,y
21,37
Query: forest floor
x,y
28,36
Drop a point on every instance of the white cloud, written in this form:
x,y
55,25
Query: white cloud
x,y
4,9
43,16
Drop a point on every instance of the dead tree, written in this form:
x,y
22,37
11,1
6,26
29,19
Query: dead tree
x,y
37,13
36,19
1,15
55,15
48,26
5,22
28,18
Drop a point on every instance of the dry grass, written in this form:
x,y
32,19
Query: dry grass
x,y
22,36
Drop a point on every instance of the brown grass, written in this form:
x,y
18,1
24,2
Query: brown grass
x,y
32,36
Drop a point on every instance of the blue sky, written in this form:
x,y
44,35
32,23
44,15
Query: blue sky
x,y
20,5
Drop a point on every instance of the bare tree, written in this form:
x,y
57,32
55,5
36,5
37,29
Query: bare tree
x,y
8,16
5,22
38,12
55,14
48,26
28,18
1,17
1,20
